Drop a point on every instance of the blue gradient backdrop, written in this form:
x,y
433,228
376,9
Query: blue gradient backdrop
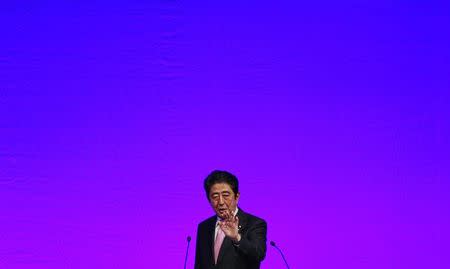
x,y
334,115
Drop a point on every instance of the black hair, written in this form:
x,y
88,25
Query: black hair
x,y
218,176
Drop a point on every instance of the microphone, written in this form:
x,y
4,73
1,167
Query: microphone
x,y
187,250
279,250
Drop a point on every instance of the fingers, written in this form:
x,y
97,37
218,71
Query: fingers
x,y
230,216
227,215
225,226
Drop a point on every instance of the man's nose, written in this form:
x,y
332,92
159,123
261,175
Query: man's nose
x,y
221,200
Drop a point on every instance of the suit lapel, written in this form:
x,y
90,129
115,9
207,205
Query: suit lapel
x,y
210,235
242,220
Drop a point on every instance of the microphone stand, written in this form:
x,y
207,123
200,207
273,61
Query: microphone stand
x,y
187,250
279,250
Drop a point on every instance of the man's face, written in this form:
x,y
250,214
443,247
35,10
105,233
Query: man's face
x,y
223,199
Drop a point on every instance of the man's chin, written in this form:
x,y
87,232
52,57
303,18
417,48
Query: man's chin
x,y
221,214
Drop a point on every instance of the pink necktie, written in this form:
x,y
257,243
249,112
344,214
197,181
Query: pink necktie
x,y
218,243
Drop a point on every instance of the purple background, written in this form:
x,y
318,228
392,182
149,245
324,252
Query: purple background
x,y
333,115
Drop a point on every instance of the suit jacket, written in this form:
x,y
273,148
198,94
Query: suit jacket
x,y
247,255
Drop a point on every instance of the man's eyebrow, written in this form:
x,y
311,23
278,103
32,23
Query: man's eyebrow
x,y
216,192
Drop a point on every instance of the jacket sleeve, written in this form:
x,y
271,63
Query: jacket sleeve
x,y
197,250
253,244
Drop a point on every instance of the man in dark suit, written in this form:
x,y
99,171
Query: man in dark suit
x,y
231,239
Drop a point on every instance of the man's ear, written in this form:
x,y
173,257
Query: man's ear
x,y
237,196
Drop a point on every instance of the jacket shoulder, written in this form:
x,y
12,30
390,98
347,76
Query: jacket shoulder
x,y
207,221
253,219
